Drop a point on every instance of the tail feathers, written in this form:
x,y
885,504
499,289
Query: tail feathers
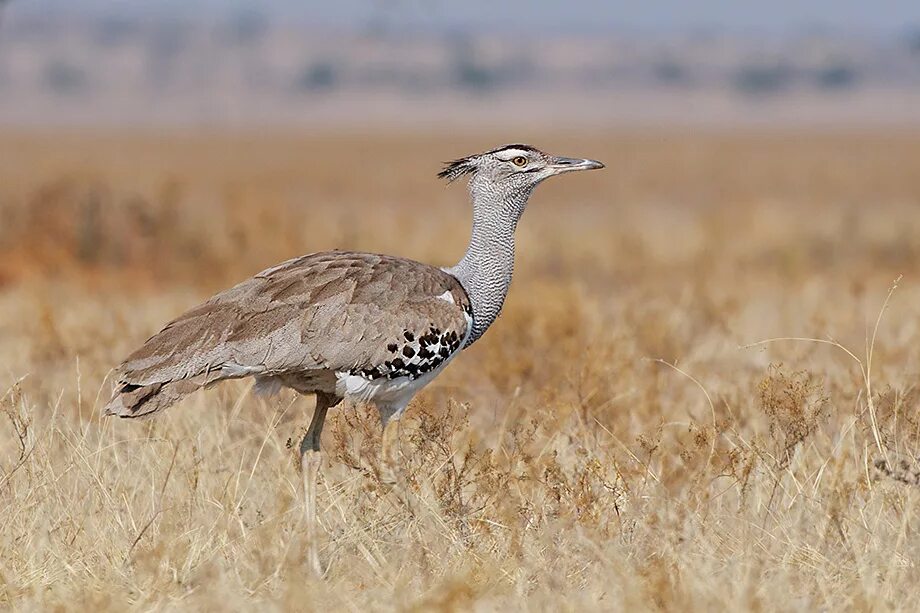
x,y
140,400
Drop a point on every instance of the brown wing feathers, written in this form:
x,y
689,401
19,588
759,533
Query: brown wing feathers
x,y
328,311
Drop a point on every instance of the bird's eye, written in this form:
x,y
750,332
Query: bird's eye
x,y
519,161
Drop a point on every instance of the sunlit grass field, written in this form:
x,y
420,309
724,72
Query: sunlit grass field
x,y
640,430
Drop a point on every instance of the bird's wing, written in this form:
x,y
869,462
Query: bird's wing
x,y
335,311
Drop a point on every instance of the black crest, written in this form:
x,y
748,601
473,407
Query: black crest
x,y
456,169
520,146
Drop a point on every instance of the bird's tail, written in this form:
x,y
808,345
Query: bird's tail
x,y
142,400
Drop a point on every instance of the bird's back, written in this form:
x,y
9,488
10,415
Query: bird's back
x,y
370,315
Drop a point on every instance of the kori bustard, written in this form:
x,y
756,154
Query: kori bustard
x,y
361,326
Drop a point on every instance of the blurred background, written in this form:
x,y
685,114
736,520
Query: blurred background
x,y
762,181
420,65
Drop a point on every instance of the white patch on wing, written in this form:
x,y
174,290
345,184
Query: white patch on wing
x,y
447,297
381,390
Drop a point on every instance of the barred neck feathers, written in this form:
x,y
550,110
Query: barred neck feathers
x,y
487,267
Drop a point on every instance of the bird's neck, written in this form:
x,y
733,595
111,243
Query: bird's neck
x,y
488,264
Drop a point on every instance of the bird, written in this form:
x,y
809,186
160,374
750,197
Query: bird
x,y
344,325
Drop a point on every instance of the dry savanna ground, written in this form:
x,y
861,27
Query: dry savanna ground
x,y
617,440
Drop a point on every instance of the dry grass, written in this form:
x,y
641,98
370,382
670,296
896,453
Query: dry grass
x,y
610,443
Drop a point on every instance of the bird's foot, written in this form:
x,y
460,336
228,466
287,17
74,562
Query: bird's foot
x,y
387,474
389,455
310,464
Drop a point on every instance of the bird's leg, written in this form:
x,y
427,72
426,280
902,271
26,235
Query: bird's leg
x,y
310,461
389,419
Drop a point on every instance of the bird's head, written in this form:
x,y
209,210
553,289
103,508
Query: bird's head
x,y
513,168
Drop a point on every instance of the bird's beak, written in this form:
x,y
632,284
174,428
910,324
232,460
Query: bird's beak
x,y
560,165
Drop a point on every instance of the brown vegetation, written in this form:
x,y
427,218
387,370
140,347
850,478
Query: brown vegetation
x,y
613,442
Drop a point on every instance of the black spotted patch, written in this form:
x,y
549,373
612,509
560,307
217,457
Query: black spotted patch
x,y
415,354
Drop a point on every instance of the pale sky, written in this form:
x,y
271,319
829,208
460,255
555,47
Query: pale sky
x,y
664,16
